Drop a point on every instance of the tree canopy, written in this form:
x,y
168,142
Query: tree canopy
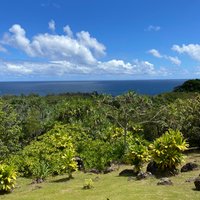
x,y
189,86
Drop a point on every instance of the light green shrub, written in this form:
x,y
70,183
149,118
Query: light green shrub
x,y
167,150
138,153
53,152
88,184
41,170
7,178
97,154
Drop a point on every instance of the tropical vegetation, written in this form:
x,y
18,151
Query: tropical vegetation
x,y
42,136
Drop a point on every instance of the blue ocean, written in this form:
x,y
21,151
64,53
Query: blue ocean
x,y
149,87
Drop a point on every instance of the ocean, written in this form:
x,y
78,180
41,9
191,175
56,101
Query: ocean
x,y
149,87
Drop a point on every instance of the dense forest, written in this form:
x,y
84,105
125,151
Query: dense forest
x,y
189,86
42,135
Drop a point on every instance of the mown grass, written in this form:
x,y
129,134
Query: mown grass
x,y
107,187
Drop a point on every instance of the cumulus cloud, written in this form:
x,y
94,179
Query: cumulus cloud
x,y
62,67
17,38
58,68
82,49
193,50
52,25
119,66
68,31
20,69
174,60
68,53
86,40
157,54
153,28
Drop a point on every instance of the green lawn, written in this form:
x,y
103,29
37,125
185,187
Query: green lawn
x,y
109,186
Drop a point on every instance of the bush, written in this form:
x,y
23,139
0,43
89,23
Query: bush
x,y
138,153
7,178
88,184
97,154
167,150
41,170
53,153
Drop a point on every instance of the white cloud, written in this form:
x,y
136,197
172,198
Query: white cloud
x,y
174,60
68,31
66,54
91,43
14,68
193,50
82,49
18,68
157,54
52,25
153,28
61,68
17,38
120,67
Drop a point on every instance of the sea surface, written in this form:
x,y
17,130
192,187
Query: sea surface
x,y
149,87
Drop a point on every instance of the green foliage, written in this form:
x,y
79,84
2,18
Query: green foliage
x,y
53,152
41,170
189,86
125,111
100,127
10,131
97,154
7,178
108,187
183,115
138,153
88,184
167,150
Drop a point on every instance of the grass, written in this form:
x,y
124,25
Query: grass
x,y
107,187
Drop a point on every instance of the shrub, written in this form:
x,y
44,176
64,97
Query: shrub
x,y
138,153
88,184
53,152
7,178
167,150
41,170
97,154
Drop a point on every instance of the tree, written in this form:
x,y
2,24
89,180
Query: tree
x,y
126,111
189,86
10,131
182,114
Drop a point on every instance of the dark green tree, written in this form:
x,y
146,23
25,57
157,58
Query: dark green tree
x,y
10,130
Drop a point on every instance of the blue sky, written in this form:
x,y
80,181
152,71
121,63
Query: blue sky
x,y
99,39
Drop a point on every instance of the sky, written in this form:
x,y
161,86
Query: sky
x,y
44,40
